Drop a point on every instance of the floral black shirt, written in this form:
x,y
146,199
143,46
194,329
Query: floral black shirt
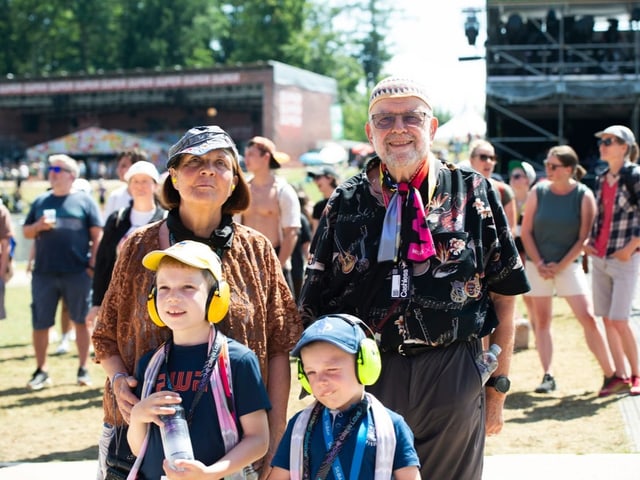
x,y
447,297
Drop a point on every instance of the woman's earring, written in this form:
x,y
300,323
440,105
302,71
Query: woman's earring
x,y
174,180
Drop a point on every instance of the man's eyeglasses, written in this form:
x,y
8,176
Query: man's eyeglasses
x,y
608,141
517,176
552,166
57,169
485,158
384,121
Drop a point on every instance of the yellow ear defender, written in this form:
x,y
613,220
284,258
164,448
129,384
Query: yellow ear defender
x,y
368,361
217,304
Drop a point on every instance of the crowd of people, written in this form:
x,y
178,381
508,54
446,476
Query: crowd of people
x,y
202,283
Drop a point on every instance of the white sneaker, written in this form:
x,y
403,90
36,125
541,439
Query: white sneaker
x,y
63,346
53,335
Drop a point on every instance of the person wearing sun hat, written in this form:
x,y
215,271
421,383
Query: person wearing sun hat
x,y
326,179
204,189
142,184
421,251
190,298
522,176
613,250
274,209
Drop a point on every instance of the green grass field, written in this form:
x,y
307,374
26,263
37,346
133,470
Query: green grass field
x,y
64,422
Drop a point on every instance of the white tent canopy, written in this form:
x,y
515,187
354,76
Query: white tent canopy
x,y
468,123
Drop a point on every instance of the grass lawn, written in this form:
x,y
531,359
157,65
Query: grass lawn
x,y
64,422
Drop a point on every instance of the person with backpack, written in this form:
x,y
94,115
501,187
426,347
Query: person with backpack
x,y
345,431
215,379
142,182
613,248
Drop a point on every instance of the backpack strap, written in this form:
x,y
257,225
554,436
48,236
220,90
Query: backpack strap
x,y
629,174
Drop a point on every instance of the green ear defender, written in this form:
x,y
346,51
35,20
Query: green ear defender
x,y
368,362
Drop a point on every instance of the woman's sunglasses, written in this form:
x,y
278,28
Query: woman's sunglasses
x,y
608,141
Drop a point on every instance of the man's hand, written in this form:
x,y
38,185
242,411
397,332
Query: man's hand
x,y
494,419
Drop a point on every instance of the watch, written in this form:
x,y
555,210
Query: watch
x,y
501,383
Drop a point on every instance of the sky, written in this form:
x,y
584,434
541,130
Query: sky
x,y
427,38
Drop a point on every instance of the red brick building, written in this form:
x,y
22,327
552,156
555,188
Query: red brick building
x,y
290,105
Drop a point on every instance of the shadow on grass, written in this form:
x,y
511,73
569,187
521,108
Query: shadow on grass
x,y
92,398
90,453
16,345
535,407
19,358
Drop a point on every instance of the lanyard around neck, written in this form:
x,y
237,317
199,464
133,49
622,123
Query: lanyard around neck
x,y
356,414
214,352
358,453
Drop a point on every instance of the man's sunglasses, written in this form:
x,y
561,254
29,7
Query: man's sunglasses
x,y
57,169
384,121
607,142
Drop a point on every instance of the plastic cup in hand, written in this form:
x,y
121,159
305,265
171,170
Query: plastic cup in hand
x,y
50,216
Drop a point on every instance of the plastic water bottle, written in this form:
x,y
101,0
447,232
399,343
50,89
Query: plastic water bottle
x,y
487,362
175,437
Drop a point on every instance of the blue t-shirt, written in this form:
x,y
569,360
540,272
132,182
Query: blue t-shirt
x,y
405,454
65,248
185,366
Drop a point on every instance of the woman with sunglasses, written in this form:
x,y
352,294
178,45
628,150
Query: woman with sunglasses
x,y
613,248
482,157
557,219
522,176
204,189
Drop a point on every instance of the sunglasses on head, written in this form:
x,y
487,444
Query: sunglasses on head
x,y
608,141
57,169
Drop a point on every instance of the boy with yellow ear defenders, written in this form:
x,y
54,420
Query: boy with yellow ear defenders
x,y
216,379
345,433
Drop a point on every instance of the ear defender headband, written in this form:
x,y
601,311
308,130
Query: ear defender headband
x,y
217,303
196,255
368,362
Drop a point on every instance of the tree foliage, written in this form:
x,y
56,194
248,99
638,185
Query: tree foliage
x,y
345,41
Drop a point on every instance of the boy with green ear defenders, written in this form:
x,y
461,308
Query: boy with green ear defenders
x,y
346,433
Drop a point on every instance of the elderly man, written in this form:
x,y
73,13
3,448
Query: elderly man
x,y
423,252
67,228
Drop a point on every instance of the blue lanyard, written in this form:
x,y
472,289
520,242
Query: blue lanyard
x,y
358,454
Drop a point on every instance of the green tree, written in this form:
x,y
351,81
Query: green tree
x,y
261,29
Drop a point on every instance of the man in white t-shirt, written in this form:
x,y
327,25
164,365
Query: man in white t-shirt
x,y
275,208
